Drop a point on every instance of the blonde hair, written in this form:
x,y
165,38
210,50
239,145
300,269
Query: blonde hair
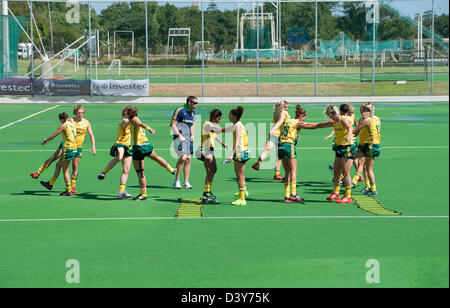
x,y
279,107
330,110
78,107
367,110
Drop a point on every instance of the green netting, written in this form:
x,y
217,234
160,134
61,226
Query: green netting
x,y
264,39
342,44
10,34
266,54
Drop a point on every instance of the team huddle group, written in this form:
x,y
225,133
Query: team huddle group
x,y
132,146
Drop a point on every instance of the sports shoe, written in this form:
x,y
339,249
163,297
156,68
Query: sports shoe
x,y
365,190
174,171
74,191
208,197
297,198
124,194
245,194
177,185
186,185
140,198
334,197
361,179
101,176
372,192
66,194
47,185
34,175
288,200
239,202
278,178
344,200
255,166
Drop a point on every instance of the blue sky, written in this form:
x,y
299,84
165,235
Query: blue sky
x,y
408,7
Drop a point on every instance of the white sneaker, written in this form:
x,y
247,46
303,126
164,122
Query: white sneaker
x,y
177,185
186,185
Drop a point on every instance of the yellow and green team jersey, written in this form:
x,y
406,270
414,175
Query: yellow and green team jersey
x,y
243,138
340,131
371,134
82,128
208,137
123,135
69,135
289,132
138,135
275,120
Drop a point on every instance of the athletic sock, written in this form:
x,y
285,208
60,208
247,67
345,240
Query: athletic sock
x,y
208,187
144,192
337,187
68,187
242,193
373,187
287,193
367,183
52,181
121,188
74,182
293,188
277,173
356,178
170,169
42,168
348,192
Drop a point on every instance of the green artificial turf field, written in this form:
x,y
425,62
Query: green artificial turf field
x,y
123,243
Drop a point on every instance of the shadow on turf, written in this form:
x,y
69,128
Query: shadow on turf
x,y
152,187
44,193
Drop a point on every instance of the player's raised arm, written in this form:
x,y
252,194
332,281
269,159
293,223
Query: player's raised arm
x,y
363,123
136,121
56,133
304,125
278,124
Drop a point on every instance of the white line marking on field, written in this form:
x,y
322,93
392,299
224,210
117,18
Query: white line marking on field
x,y
34,114
211,218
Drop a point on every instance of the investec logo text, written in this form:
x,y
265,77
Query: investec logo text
x,y
115,86
15,88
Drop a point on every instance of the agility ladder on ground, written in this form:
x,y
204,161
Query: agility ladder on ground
x,y
373,206
190,208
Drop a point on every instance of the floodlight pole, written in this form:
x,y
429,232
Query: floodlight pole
x,y
257,48
279,32
146,38
90,46
32,47
5,34
374,54
315,53
5,7
432,46
51,26
203,49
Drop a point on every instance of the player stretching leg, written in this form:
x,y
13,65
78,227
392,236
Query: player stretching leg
x,y
280,115
121,151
